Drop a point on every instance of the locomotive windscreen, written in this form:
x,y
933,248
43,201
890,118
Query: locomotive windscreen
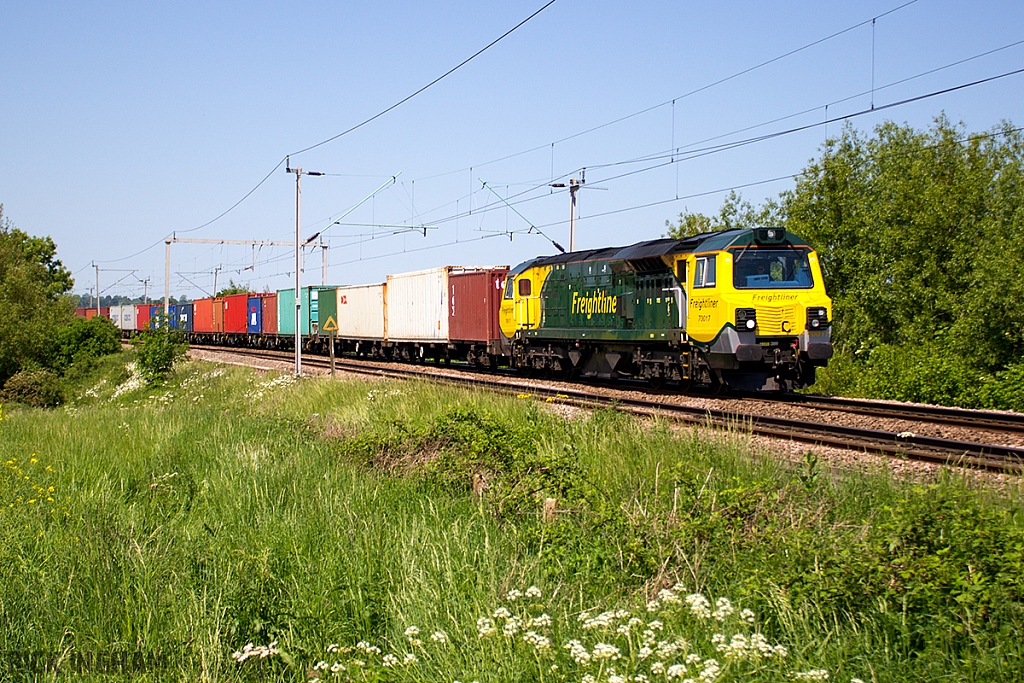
x,y
771,268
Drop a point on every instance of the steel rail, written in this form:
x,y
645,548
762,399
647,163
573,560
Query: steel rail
x,y
962,417
929,449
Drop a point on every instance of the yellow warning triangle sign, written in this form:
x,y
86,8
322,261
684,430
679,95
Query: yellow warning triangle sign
x,y
330,325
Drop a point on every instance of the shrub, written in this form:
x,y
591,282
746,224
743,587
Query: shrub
x,y
36,387
83,340
156,349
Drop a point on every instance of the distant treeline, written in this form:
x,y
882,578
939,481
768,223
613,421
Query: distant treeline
x,y
89,301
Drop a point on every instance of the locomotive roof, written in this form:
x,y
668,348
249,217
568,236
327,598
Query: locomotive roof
x,y
708,241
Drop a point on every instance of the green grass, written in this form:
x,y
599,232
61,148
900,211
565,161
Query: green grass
x,y
227,508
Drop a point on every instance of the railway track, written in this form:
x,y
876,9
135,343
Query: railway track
x,y
991,457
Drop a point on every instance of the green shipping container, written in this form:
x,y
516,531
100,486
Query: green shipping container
x,y
327,309
310,309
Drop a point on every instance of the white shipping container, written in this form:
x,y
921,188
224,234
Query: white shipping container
x,y
417,304
123,316
361,312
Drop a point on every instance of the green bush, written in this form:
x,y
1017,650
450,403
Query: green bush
x,y
86,339
37,387
157,348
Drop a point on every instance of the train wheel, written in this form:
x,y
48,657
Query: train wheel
x,y
656,381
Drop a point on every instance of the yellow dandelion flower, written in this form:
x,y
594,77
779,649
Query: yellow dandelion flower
x,y
49,469
33,461
49,500
32,501
50,489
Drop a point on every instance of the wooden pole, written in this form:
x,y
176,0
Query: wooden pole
x,y
332,353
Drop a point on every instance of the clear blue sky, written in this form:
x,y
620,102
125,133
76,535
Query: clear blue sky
x,y
121,123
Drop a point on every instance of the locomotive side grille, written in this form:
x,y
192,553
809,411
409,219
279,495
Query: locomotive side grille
x,y
771,318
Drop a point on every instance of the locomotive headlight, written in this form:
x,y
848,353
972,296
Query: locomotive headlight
x,y
746,319
817,317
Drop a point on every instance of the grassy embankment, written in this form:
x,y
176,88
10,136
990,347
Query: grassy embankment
x,y
157,532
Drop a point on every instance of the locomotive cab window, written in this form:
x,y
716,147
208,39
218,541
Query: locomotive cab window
x,y
509,287
525,287
772,269
704,273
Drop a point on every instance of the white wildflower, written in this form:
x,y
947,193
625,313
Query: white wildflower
x,y
653,606
337,668
710,671
261,651
514,595
656,625
512,626
675,671
747,615
538,641
658,668
332,648
723,608
587,678
645,652
616,678
484,627
410,658
699,605
439,637
389,660
502,613
533,592
578,652
320,666
543,621
812,675
668,597
606,651
412,632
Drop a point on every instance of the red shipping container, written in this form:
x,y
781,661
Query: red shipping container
x,y
202,315
236,313
269,301
83,312
473,302
218,315
142,313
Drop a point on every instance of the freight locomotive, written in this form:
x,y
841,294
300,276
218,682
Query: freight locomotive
x,y
742,308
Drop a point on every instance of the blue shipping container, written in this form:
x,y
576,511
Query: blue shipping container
x,y
185,317
254,318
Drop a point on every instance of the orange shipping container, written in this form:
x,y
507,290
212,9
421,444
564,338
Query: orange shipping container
x,y
202,315
218,315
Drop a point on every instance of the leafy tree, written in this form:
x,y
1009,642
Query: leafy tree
x,y
233,288
736,212
921,237
33,301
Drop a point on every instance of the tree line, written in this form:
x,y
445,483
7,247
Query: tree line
x,y
921,243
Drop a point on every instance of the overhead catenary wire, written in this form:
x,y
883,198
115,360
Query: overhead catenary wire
x,y
349,130
685,95
694,153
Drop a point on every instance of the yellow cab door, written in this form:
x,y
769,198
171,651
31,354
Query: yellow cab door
x,y
521,305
